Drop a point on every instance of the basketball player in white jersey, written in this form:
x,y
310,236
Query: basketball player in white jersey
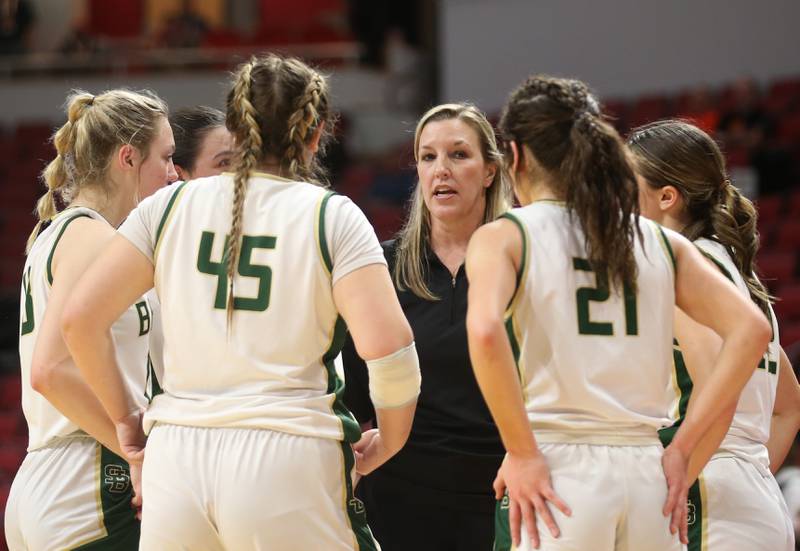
x,y
73,489
249,445
736,504
203,147
570,323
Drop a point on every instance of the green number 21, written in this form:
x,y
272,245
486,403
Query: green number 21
x,y
246,268
601,293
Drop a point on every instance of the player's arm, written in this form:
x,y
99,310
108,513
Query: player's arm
x,y
97,301
711,300
700,347
368,303
785,415
493,260
52,374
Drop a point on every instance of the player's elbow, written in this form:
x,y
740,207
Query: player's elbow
x,y
759,331
44,375
484,332
75,321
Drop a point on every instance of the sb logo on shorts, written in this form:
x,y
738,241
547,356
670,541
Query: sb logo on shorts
x,y
505,502
690,512
357,506
116,479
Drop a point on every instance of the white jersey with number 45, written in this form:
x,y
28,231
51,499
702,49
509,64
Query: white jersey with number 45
x,y
595,364
272,367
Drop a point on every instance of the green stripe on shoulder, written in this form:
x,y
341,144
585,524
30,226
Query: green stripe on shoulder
x,y
717,263
55,244
667,246
523,258
323,242
167,210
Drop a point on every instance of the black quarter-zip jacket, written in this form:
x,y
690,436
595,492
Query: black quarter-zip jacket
x,y
454,443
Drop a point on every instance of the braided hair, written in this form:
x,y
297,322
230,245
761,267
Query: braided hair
x,y
274,109
560,123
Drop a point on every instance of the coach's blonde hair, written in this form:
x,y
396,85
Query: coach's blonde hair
x,y
274,108
414,238
96,127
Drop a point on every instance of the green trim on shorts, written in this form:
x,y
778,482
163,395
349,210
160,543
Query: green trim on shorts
x,y
119,519
502,527
55,244
356,512
698,522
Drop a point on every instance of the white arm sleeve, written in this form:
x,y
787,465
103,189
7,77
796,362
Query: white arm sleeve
x,y
351,239
141,226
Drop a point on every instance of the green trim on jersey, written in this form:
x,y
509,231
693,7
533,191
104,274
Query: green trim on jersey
x,y
685,386
698,516
523,265
356,512
667,246
119,519
502,526
164,217
55,244
322,241
152,387
350,429
717,263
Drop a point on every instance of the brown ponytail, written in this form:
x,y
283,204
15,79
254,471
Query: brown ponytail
x,y
676,153
559,123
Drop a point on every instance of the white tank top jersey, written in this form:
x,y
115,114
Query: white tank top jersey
x,y
273,367
130,334
750,427
595,364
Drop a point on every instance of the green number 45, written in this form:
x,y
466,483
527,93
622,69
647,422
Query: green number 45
x,y
246,268
601,293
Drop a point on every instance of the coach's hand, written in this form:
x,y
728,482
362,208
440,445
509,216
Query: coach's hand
x,y
675,465
527,480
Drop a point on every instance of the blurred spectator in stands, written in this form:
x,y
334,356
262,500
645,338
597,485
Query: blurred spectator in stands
x,y
185,29
371,21
700,108
745,130
80,41
16,21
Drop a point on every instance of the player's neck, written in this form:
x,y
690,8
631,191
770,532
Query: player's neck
x,y
114,206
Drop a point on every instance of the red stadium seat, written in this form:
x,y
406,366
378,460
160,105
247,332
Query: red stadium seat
x,y
783,96
787,307
788,235
777,266
10,392
648,109
11,457
769,207
794,205
789,334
